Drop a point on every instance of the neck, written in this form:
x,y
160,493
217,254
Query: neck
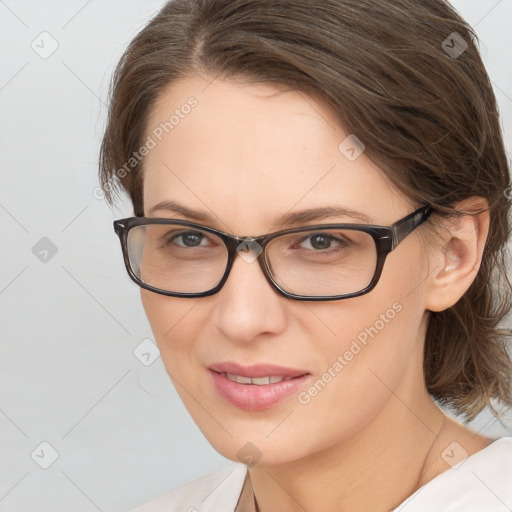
x,y
377,469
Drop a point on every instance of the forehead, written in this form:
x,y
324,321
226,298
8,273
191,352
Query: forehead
x,y
245,151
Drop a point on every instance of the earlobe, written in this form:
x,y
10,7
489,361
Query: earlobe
x,y
459,256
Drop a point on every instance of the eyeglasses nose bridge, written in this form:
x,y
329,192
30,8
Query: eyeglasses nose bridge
x,y
255,245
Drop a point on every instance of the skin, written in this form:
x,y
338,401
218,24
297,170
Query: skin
x,y
246,155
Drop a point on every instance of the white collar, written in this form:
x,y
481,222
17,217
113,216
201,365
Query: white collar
x,y
481,482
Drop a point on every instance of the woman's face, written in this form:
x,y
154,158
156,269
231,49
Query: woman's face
x,y
245,156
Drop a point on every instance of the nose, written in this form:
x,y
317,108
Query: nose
x,y
247,305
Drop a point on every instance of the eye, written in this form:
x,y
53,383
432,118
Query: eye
x,y
322,242
188,239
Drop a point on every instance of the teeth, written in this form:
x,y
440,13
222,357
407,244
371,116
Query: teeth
x,y
238,378
259,381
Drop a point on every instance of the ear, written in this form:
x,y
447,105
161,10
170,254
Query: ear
x,y
459,254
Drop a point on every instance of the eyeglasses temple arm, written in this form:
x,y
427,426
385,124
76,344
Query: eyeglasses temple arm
x,y
404,227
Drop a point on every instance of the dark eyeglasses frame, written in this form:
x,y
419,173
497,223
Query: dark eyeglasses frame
x,y
386,239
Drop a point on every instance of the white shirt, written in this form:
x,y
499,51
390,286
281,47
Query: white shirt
x,y
480,483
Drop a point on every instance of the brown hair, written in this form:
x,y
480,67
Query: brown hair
x,y
394,74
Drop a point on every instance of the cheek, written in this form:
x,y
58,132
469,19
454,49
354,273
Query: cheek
x,y
177,324
376,345
371,348
172,322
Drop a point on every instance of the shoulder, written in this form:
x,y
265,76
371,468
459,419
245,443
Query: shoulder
x,y
218,491
482,481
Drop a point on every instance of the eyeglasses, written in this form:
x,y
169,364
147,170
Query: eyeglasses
x,y
179,258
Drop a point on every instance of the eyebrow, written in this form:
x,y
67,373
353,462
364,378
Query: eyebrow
x,y
298,217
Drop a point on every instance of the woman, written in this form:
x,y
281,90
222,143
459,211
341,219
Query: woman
x,y
322,212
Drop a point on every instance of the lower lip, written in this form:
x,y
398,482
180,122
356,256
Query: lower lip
x,y
253,397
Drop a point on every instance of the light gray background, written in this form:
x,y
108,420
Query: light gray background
x,y
69,325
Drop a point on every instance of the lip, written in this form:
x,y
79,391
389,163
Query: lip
x,y
257,370
253,397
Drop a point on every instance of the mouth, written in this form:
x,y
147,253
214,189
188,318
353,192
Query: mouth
x,y
258,381
258,387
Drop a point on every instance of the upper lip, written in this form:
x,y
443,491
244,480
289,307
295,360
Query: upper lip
x,y
256,370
